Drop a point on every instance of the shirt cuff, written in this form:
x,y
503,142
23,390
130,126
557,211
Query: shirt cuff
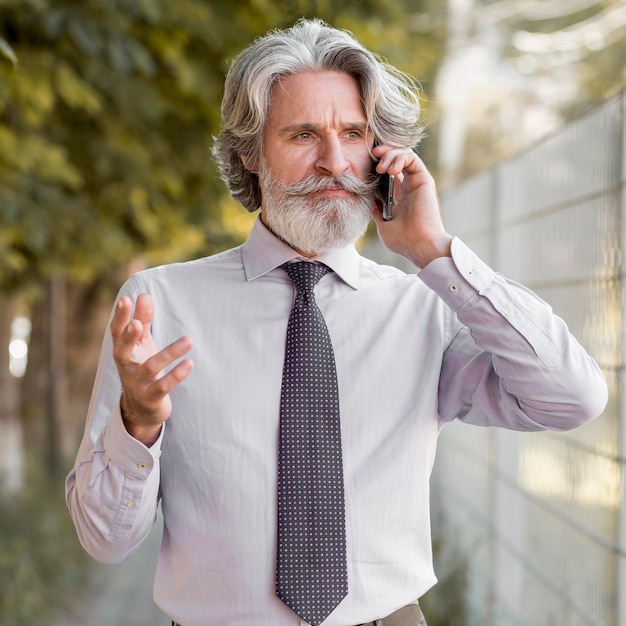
x,y
457,278
127,452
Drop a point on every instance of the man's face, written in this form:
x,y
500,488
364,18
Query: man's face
x,y
316,157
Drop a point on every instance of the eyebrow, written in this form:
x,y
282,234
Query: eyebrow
x,y
294,128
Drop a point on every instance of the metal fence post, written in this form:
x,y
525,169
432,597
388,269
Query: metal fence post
x,y
621,581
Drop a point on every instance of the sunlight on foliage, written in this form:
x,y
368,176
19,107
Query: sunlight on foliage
x,y
75,92
236,219
35,155
106,128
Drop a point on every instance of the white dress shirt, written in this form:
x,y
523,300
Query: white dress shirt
x,y
458,341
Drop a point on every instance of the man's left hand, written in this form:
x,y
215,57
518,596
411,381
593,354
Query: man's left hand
x,y
416,230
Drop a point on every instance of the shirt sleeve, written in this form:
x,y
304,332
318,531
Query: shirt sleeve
x,y
112,491
510,361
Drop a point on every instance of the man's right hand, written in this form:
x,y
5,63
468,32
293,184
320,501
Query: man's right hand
x,y
145,401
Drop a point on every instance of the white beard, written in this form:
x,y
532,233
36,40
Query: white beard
x,y
313,224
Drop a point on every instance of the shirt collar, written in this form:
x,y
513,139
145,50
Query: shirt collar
x,y
263,252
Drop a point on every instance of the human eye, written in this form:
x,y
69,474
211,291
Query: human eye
x,y
354,134
304,134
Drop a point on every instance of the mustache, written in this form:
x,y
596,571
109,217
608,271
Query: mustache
x,y
316,183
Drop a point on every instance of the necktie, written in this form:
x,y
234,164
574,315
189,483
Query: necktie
x,y
311,568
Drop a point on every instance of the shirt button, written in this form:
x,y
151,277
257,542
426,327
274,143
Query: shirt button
x,y
470,272
141,465
130,504
453,288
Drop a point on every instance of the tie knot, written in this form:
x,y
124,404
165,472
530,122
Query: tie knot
x,y
305,275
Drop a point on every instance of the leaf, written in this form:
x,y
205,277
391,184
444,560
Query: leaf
x,y
106,130
75,92
7,52
38,157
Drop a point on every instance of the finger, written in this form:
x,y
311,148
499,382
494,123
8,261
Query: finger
x,y
382,153
394,160
125,343
161,387
154,366
121,316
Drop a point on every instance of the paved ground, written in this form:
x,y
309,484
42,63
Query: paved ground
x,y
122,594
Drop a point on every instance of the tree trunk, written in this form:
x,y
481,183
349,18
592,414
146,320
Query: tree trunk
x,y
44,383
68,327
88,311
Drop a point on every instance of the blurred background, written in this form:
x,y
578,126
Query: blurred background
x,y
107,113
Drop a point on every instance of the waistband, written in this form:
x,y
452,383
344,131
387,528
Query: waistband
x,y
410,615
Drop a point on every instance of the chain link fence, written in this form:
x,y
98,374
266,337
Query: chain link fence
x,y
538,521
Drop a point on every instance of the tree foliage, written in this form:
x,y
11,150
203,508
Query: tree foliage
x,y
584,38
107,113
515,70
106,123
105,133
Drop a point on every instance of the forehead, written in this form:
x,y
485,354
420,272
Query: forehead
x,y
316,97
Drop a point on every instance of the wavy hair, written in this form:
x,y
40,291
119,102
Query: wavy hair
x,y
390,97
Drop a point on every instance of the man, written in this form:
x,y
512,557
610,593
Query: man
x,y
308,114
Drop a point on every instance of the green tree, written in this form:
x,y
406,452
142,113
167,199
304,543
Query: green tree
x,y
584,39
107,112
516,69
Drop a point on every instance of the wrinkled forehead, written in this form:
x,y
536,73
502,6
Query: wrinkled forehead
x,y
316,99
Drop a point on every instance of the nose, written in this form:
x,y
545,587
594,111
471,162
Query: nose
x,y
332,160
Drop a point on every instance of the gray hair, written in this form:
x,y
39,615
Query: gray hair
x,y
390,97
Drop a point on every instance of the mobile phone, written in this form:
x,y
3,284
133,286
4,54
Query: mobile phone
x,y
385,195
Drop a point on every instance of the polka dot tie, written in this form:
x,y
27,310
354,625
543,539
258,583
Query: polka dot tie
x,y
311,570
